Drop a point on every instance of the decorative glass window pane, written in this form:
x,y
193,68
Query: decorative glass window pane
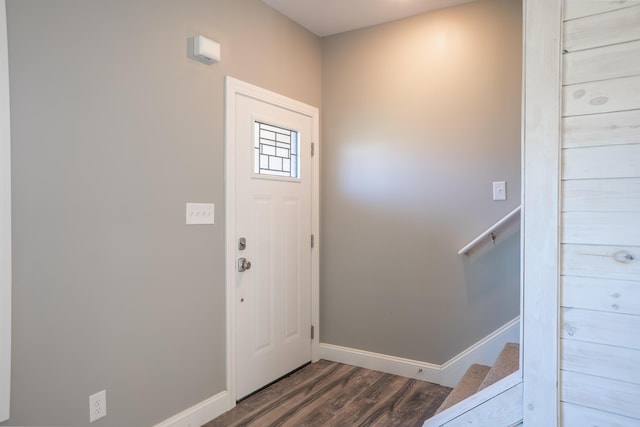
x,y
275,151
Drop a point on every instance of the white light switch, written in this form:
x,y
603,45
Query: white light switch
x,y
200,213
499,190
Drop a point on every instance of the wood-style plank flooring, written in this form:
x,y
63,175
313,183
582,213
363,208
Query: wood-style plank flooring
x,y
333,394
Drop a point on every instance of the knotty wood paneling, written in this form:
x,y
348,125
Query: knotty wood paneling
x,y
600,393
602,97
616,161
603,29
601,228
615,296
601,328
575,415
600,286
579,8
616,128
608,62
617,363
601,195
607,262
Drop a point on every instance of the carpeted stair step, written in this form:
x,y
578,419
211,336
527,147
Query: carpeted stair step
x,y
467,386
507,363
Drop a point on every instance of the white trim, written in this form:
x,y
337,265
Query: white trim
x,y
381,362
315,227
5,221
541,210
484,351
500,404
200,413
217,405
235,87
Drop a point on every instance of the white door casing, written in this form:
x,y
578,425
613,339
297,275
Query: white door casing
x,y
5,222
272,305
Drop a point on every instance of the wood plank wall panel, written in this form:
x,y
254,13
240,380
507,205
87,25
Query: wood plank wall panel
x,y
601,327
580,8
607,62
616,161
574,415
617,26
601,195
600,232
605,394
610,228
615,296
595,359
605,262
602,96
601,129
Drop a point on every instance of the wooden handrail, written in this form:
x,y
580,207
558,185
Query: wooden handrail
x,y
489,231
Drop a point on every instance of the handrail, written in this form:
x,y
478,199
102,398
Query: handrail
x,y
489,232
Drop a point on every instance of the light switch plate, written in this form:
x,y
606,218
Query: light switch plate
x,y
499,190
200,213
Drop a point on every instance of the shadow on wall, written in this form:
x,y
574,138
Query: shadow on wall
x,y
489,271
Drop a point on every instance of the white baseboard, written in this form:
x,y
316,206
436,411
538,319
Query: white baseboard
x,y
381,362
201,413
484,351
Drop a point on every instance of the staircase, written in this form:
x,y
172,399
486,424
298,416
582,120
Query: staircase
x,y
479,377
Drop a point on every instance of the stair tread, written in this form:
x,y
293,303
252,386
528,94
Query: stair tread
x,y
508,361
467,386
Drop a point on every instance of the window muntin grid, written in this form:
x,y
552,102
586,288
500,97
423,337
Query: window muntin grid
x,y
275,151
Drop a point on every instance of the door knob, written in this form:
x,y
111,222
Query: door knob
x,y
243,265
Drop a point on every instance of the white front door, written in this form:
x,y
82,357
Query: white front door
x,y
273,225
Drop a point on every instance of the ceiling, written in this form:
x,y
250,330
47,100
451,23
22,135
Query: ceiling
x,y
327,17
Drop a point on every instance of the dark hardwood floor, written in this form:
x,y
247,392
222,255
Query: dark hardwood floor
x,y
333,394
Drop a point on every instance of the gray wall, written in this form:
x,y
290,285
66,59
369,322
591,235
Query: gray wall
x,y
113,130
419,117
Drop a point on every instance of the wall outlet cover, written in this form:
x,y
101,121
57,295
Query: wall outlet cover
x,y
97,406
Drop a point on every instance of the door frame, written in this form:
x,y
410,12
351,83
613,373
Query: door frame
x,y
5,221
233,88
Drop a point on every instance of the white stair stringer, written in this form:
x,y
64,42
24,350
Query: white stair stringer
x,y
498,405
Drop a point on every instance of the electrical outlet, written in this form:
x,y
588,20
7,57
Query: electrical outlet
x,y
97,405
